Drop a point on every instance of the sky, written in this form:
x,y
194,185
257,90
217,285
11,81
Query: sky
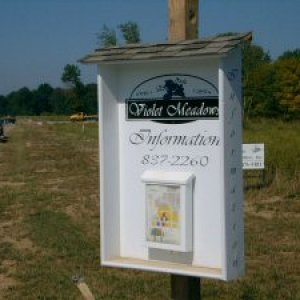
x,y
39,37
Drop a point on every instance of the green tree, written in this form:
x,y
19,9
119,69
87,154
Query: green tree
x,y
288,81
290,54
71,76
21,102
260,93
41,98
107,37
3,106
253,57
60,103
258,82
90,99
131,32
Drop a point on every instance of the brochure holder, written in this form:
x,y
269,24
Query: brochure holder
x,y
169,222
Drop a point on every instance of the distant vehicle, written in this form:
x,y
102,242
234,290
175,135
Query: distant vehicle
x,y
81,116
3,138
78,117
7,120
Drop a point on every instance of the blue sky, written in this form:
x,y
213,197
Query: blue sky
x,y
39,37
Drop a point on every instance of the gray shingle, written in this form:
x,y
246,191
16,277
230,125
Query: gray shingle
x,y
219,45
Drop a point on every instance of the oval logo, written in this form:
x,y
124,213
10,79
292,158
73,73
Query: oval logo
x,y
173,98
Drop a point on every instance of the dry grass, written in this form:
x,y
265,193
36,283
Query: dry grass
x,y
49,221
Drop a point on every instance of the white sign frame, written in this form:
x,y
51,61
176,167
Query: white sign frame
x,y
218,226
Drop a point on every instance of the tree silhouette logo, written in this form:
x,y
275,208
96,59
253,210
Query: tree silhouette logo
x,y
173,89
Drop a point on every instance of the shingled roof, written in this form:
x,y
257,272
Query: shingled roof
x,y
218,45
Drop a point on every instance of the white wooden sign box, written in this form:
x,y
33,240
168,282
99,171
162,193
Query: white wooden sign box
x,y
170,151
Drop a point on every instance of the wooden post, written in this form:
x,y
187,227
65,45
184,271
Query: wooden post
x,y
185,288
183,20
183,25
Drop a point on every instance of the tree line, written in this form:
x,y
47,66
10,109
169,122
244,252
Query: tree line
x,y
75,96
46,100
271,87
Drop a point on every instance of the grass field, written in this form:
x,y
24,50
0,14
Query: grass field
x,y
49,219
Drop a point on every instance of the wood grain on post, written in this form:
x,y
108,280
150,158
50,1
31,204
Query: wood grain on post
x,y
183,25
183,20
